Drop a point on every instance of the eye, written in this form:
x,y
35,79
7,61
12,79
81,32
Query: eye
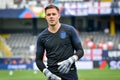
x,y
48,14
54,14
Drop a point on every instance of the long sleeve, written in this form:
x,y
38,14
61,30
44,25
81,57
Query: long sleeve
x,y
39,55
76,43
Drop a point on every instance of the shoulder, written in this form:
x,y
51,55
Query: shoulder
x,y
68,27
43,33
71,30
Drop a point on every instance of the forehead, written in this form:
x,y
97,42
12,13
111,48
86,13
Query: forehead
x,y
52,10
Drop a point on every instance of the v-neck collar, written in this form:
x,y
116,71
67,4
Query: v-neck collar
x,y
56,31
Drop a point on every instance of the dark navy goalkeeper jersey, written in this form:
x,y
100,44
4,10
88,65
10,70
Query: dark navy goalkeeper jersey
x,y
59,46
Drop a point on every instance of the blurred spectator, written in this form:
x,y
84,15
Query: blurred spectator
x,y
89,43
28,61
102,45
21,61
14,61
6,62
85,44
110,44
32,49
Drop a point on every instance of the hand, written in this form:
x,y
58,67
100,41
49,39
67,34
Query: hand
x,y
66,64
50,75
54,77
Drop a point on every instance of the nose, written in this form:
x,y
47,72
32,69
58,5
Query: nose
x,y
51,15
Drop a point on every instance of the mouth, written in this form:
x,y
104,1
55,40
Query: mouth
x,y
51,21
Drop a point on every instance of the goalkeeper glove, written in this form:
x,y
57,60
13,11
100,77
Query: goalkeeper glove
x,y
66,64
50,75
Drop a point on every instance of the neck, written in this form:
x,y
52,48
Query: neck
x,y
55,28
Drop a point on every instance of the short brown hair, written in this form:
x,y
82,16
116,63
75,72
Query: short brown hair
x,y
51,6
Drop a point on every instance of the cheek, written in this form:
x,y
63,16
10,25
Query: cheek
x,y
47,19
58,19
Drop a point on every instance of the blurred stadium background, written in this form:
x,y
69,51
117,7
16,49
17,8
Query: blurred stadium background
x,y
97,22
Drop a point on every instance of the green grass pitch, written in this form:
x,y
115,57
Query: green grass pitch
x,y
94,74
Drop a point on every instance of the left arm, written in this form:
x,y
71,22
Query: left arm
x,y
76,43
65,65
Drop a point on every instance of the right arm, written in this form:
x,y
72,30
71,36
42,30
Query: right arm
x,y
39,55
39,61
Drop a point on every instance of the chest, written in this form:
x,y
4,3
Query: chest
x,y
56,40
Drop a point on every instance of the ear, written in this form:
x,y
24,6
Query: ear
x,y
59,15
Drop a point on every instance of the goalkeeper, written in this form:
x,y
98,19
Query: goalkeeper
x,y
59,40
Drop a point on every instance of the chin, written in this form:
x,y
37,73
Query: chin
x,y
52,24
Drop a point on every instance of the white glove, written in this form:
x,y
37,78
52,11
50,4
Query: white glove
x,y
66,64
50,75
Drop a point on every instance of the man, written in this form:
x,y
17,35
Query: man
x,y
59,40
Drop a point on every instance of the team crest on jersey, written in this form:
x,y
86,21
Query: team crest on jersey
x,y
63,35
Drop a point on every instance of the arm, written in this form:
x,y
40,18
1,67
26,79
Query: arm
x,y
39,55
75,39
39,61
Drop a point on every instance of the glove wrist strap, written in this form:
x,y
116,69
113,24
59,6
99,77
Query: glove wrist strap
x,y
47,72
73,59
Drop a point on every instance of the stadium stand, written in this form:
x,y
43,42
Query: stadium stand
x,y
20,42
101,35
17,4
